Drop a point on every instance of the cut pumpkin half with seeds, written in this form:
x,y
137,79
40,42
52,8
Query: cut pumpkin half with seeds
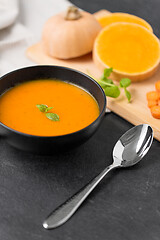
x,y
130,49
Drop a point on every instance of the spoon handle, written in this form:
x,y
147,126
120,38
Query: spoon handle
x,y
61,214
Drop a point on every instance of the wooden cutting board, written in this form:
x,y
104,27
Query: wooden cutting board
x,y
135,112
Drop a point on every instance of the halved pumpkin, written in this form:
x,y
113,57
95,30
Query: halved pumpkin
x,y
132,51
122,17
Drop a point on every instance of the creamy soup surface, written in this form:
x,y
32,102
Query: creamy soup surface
x,y
75,107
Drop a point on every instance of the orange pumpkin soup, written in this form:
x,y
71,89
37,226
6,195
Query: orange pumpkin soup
x,y
75,107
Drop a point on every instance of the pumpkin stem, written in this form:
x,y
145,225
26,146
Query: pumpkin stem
x,y
72,13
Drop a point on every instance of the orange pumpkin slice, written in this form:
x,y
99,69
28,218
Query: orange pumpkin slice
x,y
132,51
123,17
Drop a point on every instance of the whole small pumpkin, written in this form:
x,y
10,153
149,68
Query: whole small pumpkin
x,y
70,34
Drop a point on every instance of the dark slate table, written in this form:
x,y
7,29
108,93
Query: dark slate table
x,y
126,205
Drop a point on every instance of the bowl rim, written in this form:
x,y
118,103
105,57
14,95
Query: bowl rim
x,y
64,135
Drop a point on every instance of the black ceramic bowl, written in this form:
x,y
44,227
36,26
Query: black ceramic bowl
x,y
49,145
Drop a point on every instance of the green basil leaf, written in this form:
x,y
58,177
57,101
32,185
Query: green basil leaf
x,y
128,95
42,107
110,88
125,82
107,80
102,84
105,83
52,116
48,109
107,72
112,91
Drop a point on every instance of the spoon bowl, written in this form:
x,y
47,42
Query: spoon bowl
x,y
129,150
133,145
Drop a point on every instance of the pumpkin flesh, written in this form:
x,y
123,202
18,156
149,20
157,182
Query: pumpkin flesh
x,y
129,48
123,17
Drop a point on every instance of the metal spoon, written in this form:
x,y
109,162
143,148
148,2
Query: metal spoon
x,y
129,150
